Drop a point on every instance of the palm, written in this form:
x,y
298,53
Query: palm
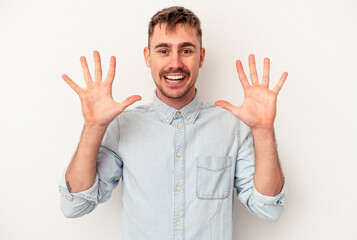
x,y
98,106
259,107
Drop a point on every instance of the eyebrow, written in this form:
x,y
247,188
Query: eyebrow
x,y
180,45
162,45
187,44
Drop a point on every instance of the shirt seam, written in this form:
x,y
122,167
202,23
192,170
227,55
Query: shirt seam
x,y
118,135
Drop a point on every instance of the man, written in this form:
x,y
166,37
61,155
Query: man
x,y
178,159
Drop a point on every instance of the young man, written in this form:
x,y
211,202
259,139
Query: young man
x,y
178,159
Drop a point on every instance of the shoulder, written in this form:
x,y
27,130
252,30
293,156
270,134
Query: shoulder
x,y
136,114
224,117
217,118
216,112
138,110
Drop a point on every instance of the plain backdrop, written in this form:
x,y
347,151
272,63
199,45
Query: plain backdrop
x,y
41,120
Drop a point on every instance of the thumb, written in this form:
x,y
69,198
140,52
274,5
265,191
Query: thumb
x,y
226,105
127,102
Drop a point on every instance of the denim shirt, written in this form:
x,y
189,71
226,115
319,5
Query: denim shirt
x,y
178,169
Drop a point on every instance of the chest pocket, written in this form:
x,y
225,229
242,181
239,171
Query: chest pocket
x,y
213,177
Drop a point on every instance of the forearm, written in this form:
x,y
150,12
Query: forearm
x,y
268,176
81,171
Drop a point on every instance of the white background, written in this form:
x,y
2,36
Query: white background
x,y
41,120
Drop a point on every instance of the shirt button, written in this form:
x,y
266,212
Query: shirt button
x,y
190,120
179,126
178,223
178,154
167,120
178,188
178,114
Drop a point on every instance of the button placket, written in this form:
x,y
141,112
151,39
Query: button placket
x,y
179,173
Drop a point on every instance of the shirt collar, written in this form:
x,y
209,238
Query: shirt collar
x,y
167,113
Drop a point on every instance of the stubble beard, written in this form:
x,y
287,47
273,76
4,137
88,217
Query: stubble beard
x,y
183,70
167,95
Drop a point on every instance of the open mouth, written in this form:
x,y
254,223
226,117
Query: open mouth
x,y
174,78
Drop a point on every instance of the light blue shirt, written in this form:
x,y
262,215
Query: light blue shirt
x,y
179,169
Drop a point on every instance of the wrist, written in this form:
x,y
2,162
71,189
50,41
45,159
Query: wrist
x,y
96,126
94,130
262,133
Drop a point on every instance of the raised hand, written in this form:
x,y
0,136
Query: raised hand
x,y
98,106
259,107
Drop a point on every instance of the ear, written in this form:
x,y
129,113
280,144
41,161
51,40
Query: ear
x,y
202,56
147,56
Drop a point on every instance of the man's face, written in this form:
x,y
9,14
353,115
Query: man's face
x,y
174,58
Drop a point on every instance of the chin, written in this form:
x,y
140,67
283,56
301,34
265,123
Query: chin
x,y
173,95
176,94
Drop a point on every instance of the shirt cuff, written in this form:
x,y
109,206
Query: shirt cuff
x,y
276,200
90,194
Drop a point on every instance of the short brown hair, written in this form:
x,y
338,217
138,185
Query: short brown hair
x,y
173,16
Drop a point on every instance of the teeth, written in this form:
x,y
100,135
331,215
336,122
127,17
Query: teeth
x,y
179,77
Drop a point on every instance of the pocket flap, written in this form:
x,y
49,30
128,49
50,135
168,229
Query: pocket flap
x,y
214,163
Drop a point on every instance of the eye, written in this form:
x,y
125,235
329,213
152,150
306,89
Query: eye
x,y
186,51
163,51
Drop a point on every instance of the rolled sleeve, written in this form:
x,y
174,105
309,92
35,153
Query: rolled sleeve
x,y
75,205
90,194
278,199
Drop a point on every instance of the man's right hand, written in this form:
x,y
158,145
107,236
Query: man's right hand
x,y
98,106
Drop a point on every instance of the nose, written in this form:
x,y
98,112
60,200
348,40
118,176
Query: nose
x,y
175,61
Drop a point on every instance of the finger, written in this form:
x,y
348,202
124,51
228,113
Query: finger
x,y
265,82
243,79
97,66
111,72
127,102
86,74
280,83
226,105
72,84
253,70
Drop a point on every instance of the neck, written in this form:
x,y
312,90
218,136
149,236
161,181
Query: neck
x,y
177,103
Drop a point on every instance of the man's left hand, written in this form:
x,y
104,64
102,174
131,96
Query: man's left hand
x,y
259,107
